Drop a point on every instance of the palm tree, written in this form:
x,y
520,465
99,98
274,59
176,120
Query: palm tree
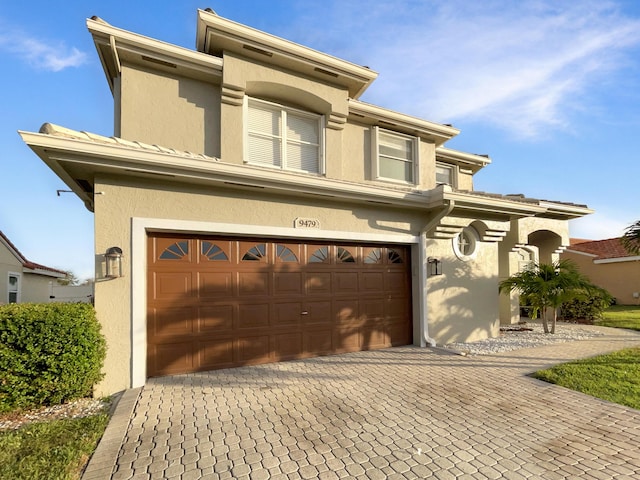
x,y
631,238
546,286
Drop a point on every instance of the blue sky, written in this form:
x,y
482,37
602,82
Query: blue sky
x,y
550,89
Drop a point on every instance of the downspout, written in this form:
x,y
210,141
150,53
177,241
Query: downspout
x,y
426,340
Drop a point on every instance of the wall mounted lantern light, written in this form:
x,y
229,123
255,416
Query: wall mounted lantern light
x,y
113,262
434,266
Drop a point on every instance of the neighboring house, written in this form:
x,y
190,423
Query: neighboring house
x,y
264,213
609,265
71,293
21,280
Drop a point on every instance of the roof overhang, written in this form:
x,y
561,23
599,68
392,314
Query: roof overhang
x,y
464,160
617,260
44,271
116,46
216,34
374,115
77,160
77,157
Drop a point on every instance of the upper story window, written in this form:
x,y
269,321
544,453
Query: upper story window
x,y
445,174
283,137
395,155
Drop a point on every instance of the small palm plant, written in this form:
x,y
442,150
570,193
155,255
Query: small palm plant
x,y
546,286
631,238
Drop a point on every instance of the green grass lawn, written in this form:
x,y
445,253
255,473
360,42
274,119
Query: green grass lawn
x,y
53,450
614,377
621,316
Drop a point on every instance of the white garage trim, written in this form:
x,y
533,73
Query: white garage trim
x,y
138,248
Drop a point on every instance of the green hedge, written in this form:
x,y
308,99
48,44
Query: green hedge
x,y
587,307
49,353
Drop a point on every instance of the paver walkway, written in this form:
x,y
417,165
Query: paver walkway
x,y
396,413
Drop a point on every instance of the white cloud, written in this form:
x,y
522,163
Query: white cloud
x,y
40,54
601,225
523,66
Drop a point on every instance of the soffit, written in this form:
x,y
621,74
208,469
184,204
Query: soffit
x,y
77,157
369,114
116,46
462,159
216,34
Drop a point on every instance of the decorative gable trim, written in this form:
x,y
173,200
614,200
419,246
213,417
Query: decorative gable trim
x,y
216,34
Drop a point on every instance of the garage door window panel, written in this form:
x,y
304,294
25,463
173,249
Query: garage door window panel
x,y
395,256
345,255
214,252
320,255
256,253
176,251
287,254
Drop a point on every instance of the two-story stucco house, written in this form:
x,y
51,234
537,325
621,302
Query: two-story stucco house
x,y
265,213
22,280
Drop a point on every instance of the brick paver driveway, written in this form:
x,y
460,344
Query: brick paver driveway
x,y
397,413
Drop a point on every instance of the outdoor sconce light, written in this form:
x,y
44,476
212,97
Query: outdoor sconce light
x,y
435,266
113,262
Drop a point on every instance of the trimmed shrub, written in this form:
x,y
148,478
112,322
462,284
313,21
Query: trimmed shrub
x,y
587,307
49,353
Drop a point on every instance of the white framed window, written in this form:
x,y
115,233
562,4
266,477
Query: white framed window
x,y
395,156
283,137
445,174
13,290
465,244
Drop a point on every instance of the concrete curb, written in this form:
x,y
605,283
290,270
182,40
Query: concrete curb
x,y
104,458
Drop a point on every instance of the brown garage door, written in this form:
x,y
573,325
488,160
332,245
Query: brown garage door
x,y
218,302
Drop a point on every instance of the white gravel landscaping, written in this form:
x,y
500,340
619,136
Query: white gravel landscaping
x,y
514,339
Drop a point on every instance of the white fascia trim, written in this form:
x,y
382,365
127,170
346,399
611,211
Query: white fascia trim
x,y
476,162
124,39
489,204
566,211
46,273
55,150
417,125
141,226
577,252
618,260
209,23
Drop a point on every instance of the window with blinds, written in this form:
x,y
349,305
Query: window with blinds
x,y
283,137
445,174
396,156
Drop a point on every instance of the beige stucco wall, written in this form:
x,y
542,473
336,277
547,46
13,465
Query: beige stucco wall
x,y
191,115
8,263
122,200
32,287
254,79
621,279
462,303
171,111
36,288
541,238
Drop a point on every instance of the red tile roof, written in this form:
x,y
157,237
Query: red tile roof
x,y
26,263
610,248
